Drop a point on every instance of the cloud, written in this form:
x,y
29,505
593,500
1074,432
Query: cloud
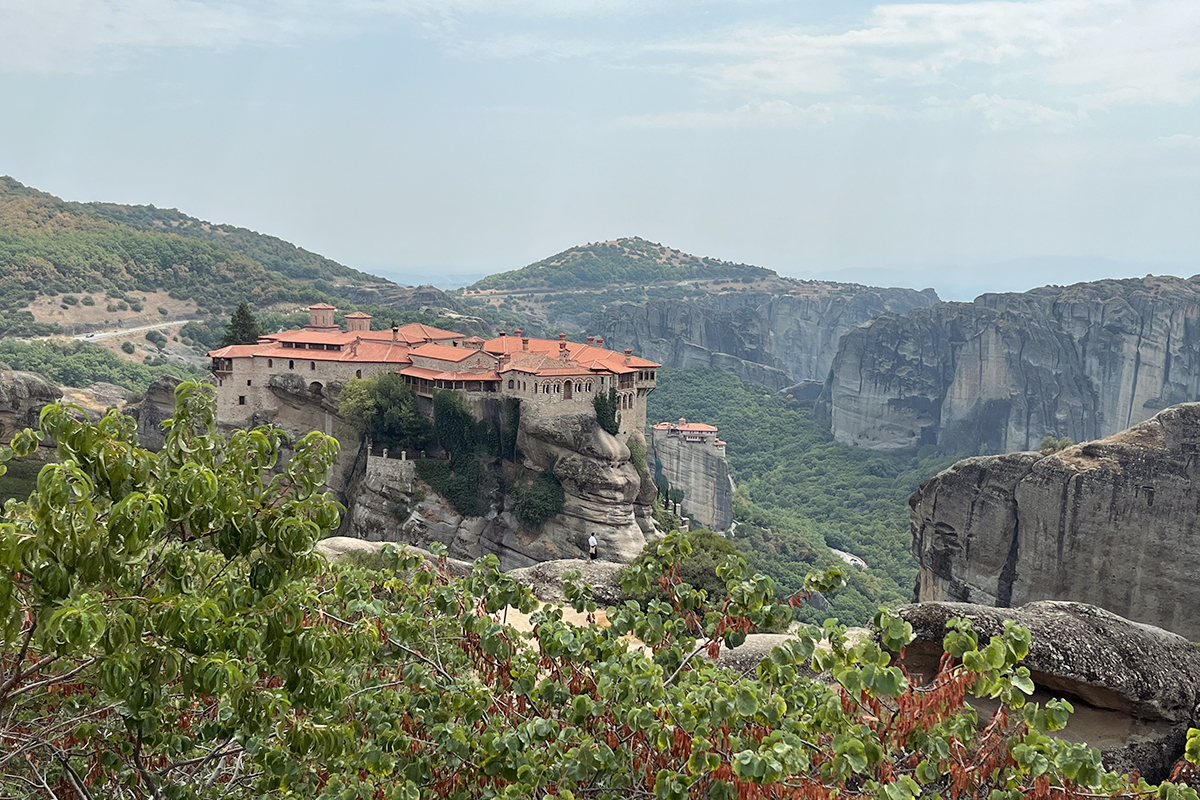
x,y
1180,140
770,112
68,35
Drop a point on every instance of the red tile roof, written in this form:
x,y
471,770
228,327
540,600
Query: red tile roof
x,y
235,351
443,352
589,356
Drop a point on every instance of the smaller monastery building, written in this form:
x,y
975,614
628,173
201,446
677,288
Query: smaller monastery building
x,y
554,375
692,458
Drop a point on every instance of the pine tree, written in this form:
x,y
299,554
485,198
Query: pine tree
x,y
242,328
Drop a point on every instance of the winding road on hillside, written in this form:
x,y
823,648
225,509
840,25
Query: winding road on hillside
x,y
124,331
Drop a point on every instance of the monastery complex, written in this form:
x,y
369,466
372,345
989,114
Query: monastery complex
x,y
555,375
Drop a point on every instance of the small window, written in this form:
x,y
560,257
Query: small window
x,y
291,365
270,362
510,384
312,365
247,383
241,399
358,373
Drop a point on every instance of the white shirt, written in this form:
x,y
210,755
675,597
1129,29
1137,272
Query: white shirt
x,y
591,541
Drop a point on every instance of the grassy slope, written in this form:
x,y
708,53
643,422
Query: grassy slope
x,y
798,490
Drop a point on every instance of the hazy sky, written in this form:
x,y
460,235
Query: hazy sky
x,y
961,145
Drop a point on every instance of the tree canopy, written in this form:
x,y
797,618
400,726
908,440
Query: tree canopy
x,y
166,631
243,327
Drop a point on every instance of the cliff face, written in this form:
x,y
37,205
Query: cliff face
x,y
775,339
606,495
1005,371
1112,523
22,397
696,469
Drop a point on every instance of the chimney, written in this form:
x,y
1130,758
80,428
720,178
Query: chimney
x,y
517,332
562,347
599,341
525,343
504,333
395,334
628,355
682,421
591,341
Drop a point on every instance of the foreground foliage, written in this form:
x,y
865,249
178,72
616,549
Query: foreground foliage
x,y
167,632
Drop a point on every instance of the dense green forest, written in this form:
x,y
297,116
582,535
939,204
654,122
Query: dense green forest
x,y
799,491
80,364
629,261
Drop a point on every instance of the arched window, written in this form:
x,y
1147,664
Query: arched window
x,y
291,365
270,362
510,384
558,388
312,365
358,373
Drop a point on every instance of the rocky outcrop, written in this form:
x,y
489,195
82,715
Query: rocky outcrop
x,y
1135,688
1009,369
546,579
156,407
700,471
22,397
1111,522
606,495
774,339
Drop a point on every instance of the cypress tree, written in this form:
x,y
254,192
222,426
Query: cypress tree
x,y
242,328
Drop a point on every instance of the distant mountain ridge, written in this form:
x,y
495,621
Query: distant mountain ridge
x,y
630,260
50,247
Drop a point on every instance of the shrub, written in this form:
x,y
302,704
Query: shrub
x,y
1052,444
87,300
460,485
705,551
70,299
163,311
135,305
637,452
606,411
127,348
539,500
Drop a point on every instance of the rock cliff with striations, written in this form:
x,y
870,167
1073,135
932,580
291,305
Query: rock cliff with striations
x,y
772,338
1009,369
1110,522
22,397
606,494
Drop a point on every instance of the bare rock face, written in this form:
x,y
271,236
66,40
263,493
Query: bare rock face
x,y
156,408
545,579
605,495
1009,369
603,489
774,339
22,397
1111,522
1135,688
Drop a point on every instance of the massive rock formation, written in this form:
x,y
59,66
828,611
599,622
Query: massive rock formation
x,y
1009,369
1111,522
1134,687
696,466
22,397
768,338
605,495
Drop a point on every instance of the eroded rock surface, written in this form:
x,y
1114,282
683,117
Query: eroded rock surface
x,y
22,397
156,408
1134,687
774,339
1009,369
606,495
1112,522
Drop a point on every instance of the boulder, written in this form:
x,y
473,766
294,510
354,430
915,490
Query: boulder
x,y
1111,522
545,579
1135,687
335,547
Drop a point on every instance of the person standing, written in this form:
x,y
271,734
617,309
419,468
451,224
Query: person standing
x,y
591,548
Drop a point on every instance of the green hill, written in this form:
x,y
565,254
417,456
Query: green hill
x,y
631,261
49,246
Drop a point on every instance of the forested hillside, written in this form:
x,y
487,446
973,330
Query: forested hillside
x,y
798,490
630,261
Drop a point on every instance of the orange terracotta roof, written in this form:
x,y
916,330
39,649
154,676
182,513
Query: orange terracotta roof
x,y
697,427
428,332
367,352
234,351
589,356
720,442
662,426
440,375
443,352
358,315
322,306
332,336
